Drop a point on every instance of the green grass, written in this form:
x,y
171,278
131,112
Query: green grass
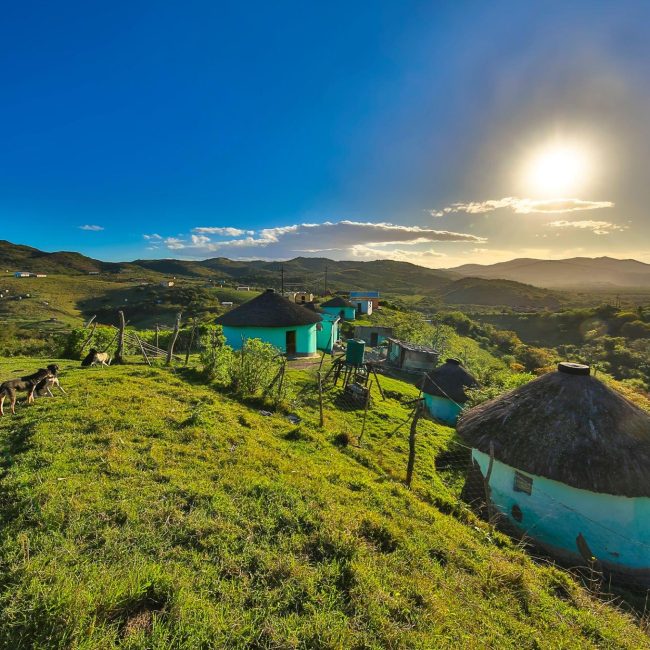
x,y
146,510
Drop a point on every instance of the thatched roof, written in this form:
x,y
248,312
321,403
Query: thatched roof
x,y
449,380
568,427
269,309
312,306
337,301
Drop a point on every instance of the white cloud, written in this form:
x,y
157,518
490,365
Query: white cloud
x,y
91,227
597,227
523,206
344,236
222,232
153,237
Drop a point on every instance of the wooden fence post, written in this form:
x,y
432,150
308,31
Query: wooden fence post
x,y
320,400
172,343
157,334
119,353
365,411
189,346
412,434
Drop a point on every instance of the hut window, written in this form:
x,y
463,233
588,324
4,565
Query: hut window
x,y
523,483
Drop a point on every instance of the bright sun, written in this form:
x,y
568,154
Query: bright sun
x,y
558,170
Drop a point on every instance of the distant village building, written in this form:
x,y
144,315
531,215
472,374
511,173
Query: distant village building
x,y
327,331
21,274
410,357
227,303
243,288
41,275
272,318
373,335
167,283
93,272
339,306
569,469
360,296
444,390
303,297
363,306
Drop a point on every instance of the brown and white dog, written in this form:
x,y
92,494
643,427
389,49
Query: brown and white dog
x,y
45,386
12,387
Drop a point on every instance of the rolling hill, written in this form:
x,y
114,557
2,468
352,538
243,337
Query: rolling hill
x,y
577,272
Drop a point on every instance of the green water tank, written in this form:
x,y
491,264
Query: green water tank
x,y
355,352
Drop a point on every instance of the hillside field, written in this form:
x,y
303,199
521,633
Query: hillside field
x,y
148,510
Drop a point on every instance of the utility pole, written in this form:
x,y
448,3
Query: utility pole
x,y
282,279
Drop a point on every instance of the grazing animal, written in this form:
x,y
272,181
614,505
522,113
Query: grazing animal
x,y
44,387
12,387
94,357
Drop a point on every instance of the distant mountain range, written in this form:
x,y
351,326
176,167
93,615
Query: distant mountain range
x,y
573,273
518,283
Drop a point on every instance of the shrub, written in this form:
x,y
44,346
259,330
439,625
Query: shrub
x,y
254,366
216,356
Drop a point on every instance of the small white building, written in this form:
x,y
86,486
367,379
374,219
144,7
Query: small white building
x,y
21,274
167,283
243,288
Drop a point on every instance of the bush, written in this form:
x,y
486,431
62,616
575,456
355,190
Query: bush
x,y
254,366
216,356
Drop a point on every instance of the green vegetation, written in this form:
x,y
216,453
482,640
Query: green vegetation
x,y
147,510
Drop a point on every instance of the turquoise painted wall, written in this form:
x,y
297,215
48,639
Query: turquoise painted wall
x,y
443,409
305,337
616,528
326,337
349,313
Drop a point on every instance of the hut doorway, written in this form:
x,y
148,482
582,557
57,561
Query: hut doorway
x,y
374,340
290,342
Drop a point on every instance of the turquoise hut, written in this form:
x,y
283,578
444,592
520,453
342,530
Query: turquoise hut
x,y
327,331
566,460
339,307
444,391
272,318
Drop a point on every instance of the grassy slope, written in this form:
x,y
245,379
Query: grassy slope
x,y
144,512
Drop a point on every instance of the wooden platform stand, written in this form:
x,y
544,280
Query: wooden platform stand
x,y
352,373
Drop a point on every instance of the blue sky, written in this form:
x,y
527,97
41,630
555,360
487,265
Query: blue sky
x,y
349,130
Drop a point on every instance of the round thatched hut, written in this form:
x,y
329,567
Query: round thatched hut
x,y
570,468
339,307
444,390
272,318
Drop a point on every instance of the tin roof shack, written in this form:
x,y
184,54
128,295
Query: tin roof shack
x,y
272,318
444,391
340,307
372,296
409,357
373,335
569,469
327,331
363,306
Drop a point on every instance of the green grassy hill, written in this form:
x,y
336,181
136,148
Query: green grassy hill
x,y
146,510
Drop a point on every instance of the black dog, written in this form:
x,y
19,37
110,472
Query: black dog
x,y
26,384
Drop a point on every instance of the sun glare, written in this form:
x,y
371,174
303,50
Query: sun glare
x,y
558,170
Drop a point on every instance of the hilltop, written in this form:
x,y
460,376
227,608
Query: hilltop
x,y
576,272
147,510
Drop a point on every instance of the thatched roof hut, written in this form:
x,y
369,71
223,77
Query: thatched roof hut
x,y
269,309
570,427
450,381
337,301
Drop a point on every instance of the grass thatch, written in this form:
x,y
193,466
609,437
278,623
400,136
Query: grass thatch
x,y
269,309
568,428
449,380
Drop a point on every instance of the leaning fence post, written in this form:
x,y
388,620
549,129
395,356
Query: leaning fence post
x,y
120,339
320,400
414,426
172,343
365,411
189,346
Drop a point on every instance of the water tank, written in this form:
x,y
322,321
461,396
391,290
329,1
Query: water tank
x,y
356,350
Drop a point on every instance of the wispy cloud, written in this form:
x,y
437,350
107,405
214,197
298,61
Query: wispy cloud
x,y
222,232
91,227
522,206
348,237
597,227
